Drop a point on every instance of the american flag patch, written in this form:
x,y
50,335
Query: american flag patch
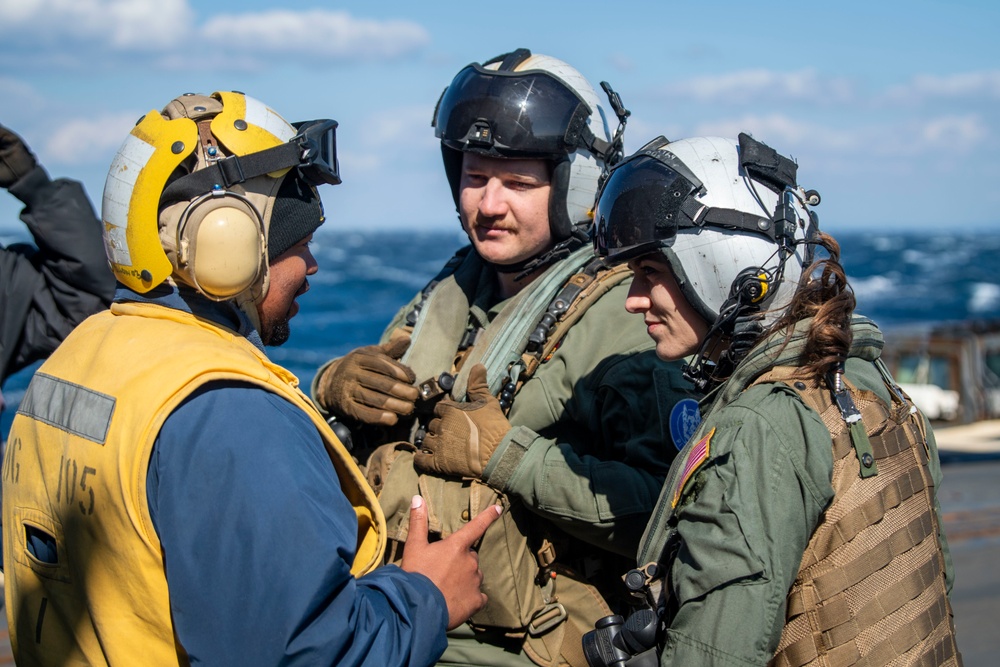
x,y
695,457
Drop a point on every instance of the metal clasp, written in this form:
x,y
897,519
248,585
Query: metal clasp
x,y
547,618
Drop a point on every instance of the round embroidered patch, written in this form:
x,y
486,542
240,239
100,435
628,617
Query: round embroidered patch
x,y
684,420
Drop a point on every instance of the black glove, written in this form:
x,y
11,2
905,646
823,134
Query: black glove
x,y
16,158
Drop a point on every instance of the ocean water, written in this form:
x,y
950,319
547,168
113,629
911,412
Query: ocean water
x,y
365,277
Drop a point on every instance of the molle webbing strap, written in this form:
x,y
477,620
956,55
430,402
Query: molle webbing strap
x,y
938,647
580,293
838,580
506,338
870,586
842,625
442,318
867,514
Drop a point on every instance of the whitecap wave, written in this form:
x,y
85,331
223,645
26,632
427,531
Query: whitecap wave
x,y
874,287
985,297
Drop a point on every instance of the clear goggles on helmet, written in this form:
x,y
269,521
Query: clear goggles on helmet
x,y
641,206
530,112
313,152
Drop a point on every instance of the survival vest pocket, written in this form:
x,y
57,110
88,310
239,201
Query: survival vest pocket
x,y
39,544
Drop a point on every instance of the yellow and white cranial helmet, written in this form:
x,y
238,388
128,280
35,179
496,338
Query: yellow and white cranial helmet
x,y
191,194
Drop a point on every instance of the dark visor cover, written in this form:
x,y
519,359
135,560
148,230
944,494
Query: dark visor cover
x,y
526,112
640,208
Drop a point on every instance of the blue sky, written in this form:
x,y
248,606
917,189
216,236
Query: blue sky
x,y
890,108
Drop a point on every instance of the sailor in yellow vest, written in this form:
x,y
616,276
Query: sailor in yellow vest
x,y
800,525
170,495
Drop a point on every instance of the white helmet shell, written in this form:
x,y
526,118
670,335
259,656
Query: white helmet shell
x,y
710,261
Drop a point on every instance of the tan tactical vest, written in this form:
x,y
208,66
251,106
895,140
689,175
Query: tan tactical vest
x,y
536,591
871,585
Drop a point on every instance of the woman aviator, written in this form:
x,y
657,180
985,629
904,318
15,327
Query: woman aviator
x,y
800,524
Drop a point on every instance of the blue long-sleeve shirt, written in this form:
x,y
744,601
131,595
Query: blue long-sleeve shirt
x,y
258,540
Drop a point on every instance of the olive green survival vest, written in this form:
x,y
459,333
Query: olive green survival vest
x,y
532,592
871,585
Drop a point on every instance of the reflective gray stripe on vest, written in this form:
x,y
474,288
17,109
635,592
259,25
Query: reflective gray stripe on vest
x,y
68,407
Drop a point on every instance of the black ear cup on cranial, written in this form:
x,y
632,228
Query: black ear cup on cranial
x,y
750,286
220,244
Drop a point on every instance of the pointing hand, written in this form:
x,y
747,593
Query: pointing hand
x,y
451,564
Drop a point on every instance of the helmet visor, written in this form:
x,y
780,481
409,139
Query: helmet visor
x,y
529,112
640,208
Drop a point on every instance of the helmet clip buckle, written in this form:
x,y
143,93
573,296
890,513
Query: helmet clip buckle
x,y
230,171
480,134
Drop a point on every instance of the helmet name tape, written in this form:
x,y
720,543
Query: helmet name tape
x,y
765,164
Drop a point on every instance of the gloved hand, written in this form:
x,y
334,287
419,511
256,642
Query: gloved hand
x,y
16,158
369,385
463,436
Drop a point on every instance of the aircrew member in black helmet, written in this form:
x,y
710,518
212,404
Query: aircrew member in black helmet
x,y
514,376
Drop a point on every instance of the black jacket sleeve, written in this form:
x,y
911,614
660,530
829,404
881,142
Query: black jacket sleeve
x,y
49,288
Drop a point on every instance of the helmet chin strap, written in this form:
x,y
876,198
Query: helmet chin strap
x,y
247,302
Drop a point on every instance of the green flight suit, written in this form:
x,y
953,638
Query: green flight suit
x,y
733,545
590,446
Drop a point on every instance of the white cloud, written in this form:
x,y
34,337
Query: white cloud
x,y
925,87
621,62
18,95
79,141
642,129
405,127
948,136
764,85
68,33
784,133
962,132
397,136
945,136
332,34
118,25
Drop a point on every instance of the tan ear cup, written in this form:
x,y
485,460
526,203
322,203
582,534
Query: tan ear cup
x,y
220,244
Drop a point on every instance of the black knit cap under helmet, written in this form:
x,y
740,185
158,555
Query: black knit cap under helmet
x,y
297,213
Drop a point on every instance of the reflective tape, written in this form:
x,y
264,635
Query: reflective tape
x,y
68,407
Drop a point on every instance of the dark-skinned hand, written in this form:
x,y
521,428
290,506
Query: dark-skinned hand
x,y
451,564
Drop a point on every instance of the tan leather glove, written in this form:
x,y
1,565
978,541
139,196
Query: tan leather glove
x,y
369,385
16,158
463,436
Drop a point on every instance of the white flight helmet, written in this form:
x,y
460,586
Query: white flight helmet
x,y
207,191
728,216
524,105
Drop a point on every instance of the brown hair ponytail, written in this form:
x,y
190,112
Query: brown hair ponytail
x,y
825,296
